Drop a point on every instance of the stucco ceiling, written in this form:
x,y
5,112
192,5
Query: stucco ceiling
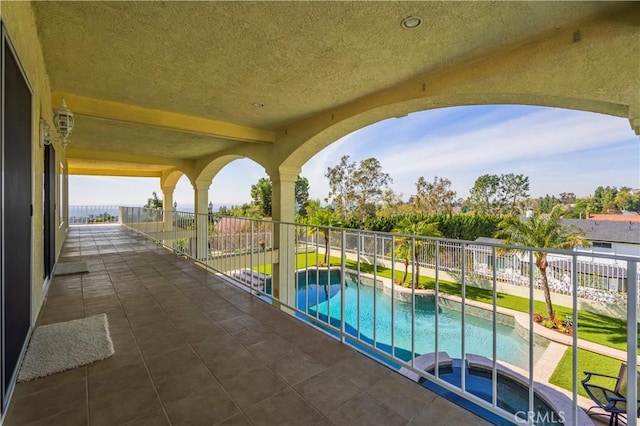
x,y
215,60
111,136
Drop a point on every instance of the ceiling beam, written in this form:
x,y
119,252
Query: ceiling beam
x,y
108,110
81,154
113,172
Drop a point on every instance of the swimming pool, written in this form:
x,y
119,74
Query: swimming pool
x,y
319,299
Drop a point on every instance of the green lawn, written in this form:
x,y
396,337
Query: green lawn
x,y
595,328
587,361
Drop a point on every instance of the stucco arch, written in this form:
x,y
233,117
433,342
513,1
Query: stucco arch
x,y
208,167
170,178
324,137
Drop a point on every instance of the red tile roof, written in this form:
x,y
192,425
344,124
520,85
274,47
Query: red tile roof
x,y
615,217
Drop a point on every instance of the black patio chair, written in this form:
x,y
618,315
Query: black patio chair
x,y
612,401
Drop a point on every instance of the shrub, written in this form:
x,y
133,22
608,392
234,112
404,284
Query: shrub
x,y
548,323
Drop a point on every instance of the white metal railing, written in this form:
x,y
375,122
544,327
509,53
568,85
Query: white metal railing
x,y
84,215
327,277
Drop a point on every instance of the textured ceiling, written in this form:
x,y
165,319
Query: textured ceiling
x,y
105,135
216,59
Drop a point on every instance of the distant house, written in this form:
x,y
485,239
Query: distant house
x,y
605,237
610,236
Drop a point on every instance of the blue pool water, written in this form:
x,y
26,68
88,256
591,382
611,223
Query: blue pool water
x,y
512,396
321,300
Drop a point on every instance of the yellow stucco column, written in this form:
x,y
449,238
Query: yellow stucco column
x,y
283,211
201,204
167,206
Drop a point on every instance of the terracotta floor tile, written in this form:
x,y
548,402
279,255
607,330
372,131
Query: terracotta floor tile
x,y
285,408
47,402
248,388
364,410
204,406
327,391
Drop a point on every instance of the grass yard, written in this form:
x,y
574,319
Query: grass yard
x,y
587,361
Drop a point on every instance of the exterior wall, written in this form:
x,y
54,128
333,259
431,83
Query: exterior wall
x,y
621,249
20,24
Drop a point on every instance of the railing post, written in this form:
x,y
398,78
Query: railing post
x,y
632,343
574,359
463,317
343,283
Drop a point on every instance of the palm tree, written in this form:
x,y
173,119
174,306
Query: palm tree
x,y
542,232
403,252
405,245
323,218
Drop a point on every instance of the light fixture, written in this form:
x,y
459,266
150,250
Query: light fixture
x,y
411,22
45,133
63,120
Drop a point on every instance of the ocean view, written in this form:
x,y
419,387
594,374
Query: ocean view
x,y
79,214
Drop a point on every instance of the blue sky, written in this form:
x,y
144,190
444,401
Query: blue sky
x,y
560,150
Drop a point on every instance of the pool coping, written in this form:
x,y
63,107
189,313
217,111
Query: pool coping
x,y
427,362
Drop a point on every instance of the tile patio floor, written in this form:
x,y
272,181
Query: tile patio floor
x,y
192,349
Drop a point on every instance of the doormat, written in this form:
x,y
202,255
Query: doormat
x,y
71,268
66,345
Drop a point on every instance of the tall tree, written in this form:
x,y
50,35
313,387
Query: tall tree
x,y
483,194
547,203
603,199
627,200
341,191
302,195
513,189
434,197
404,246
356,190
391,203
542,232
154,202
262,195
498,194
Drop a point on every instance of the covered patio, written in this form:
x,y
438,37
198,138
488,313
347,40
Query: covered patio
x,y
190,348
181,89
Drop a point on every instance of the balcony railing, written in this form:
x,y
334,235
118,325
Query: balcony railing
x,y
429,307
85,215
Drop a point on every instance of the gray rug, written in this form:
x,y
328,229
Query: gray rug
x,y
66,345
71,268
